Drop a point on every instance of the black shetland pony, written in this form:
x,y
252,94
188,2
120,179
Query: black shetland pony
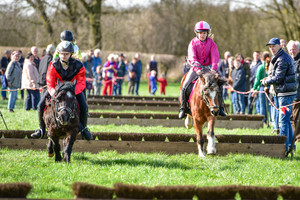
x,y
62,118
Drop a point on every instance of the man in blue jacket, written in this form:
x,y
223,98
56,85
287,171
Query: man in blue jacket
x,y
283,78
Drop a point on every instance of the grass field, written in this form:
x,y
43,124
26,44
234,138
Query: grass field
x,y
54,180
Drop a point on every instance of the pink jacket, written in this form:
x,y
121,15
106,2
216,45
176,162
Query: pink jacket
x,y
206,53
30,75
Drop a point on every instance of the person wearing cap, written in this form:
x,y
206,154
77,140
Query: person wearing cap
x,y
293,48
65,68
45,61
13,76
3,65
283,78
202,53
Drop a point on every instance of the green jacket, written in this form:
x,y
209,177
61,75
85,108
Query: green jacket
x,y
260,74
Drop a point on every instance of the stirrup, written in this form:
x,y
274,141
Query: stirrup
x,y
86,134
39,133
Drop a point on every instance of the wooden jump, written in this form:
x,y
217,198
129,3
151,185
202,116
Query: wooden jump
x,y
96,146
273,146
140,98
116,104
171,120
125,104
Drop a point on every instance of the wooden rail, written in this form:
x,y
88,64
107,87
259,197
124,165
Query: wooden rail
x,y
171,120
96,146
145,98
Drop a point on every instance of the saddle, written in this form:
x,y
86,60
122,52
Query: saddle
x,y
188,93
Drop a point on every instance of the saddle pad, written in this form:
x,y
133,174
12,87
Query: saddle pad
x,y
192,88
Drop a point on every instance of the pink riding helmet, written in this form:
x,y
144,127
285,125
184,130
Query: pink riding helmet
x,y
201,26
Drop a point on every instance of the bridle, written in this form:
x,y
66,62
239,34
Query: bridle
x,y
205,98
56,109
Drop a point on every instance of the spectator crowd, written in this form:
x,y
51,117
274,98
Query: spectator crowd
x,y
265,82
253,82
103,77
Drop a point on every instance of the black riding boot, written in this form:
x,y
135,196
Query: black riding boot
x,y
85,133
221,113
182,110
188,79
40,132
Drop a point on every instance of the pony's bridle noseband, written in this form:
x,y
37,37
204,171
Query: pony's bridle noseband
x,y
68,109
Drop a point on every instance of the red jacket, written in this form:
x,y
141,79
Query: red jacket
x,y
75,71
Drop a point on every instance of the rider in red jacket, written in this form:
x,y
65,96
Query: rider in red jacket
x,y
65,68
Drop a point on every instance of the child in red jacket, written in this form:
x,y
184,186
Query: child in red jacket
x,y
162,84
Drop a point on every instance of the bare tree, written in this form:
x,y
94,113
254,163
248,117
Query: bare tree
x,y
93,8
40,7
72,13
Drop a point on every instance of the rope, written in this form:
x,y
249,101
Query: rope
x,y
280,108
8,90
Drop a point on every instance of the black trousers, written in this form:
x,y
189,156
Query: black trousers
x,y
82,105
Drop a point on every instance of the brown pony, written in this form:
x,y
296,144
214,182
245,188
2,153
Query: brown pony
x,y
204,107
62,120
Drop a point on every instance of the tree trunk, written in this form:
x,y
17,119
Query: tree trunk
x,y
94,13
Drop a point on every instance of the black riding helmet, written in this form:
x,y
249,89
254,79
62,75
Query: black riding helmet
x,y
66,36
65,46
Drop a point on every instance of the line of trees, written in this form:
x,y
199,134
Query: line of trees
x,y
165,27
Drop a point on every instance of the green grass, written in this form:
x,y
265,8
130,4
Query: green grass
x,y
54,180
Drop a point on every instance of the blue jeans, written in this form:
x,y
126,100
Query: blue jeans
x,y
275,113
32,100
118,87
137,84
3,87
12,98
224,93
262,104
232,97
240,103
285,119
257,106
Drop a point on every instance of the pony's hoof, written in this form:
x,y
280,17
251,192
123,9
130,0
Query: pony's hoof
x,y
211,151
201,155
50,155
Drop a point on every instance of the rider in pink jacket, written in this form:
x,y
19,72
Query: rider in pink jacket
x,y
202,53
